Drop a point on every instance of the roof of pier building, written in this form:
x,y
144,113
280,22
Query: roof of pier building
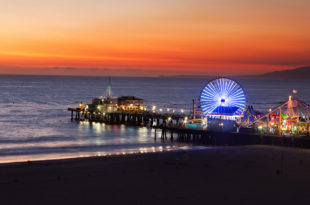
x,y
123,100
129,98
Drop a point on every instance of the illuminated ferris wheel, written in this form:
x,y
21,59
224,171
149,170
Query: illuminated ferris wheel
x,y
222,96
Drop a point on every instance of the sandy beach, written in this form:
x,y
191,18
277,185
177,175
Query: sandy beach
x,y
216,175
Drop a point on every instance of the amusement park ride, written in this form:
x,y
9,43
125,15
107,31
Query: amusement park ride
x,y
222,102
223,107
290,118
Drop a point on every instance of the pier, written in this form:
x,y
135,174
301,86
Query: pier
x,y
170,127
138,118
218,138
223,118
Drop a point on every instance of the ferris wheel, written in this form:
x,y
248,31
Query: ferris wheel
x,y
222,96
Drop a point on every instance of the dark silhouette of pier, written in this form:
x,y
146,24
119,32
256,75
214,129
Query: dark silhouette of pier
x,y
219,138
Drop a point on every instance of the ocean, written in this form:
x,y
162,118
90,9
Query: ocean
x,y
35,123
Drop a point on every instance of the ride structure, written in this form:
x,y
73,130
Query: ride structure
x,y
223,102
223,98
288,119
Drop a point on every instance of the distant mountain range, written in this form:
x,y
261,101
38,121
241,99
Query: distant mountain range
x,y
302,73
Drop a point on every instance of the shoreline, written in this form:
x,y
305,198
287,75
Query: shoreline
x,y
155,148
252,174
191,148
106,156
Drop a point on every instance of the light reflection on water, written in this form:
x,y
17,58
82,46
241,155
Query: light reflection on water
x,y
81,140
115,152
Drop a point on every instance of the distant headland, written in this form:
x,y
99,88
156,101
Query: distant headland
x,y
301,73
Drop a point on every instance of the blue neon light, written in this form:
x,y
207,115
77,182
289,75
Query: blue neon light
x,y
222,96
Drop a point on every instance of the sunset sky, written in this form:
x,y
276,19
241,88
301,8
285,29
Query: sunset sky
x,y
149,38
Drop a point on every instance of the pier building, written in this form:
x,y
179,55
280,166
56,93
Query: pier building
x,y
130,103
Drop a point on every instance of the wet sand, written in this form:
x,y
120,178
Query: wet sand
x,y
218,175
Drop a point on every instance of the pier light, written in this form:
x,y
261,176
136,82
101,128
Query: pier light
x,y
154,107
185,120
173,111
168,110
182,111
160,110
